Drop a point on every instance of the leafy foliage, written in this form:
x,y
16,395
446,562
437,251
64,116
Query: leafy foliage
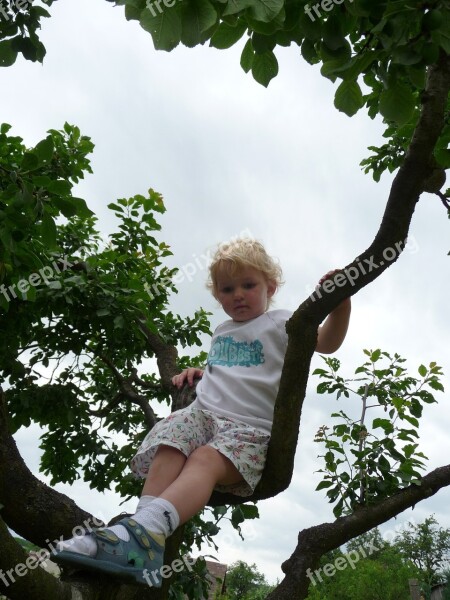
x,y
376,52
363,466
362,573
74,337
19,25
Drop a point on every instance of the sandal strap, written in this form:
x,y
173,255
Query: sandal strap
x,y
143,537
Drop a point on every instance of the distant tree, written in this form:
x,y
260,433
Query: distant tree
x,y
243,581
360,574
428,546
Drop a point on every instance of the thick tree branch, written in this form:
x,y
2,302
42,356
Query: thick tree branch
x,y
383,252
30,582
166,355
49,514
316,541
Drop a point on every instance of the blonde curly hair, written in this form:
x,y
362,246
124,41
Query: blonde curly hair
x,y
240,253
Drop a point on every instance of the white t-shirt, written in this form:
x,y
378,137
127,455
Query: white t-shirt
x,y
243,370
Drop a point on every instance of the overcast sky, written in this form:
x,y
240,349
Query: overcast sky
x,y
231,156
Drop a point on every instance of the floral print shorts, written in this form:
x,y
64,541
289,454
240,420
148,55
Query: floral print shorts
x,y
190,428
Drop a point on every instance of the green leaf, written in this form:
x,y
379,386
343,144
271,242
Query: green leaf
x,y
247,56
119,322
44,150
197,17
417,76
385,424
30,161
436,385
237,516
265,10
164,25
348,98
48,231
310,28
7,54
397,103
333,34
309,52
226,35
82,209
261,10
132,13
414,422
236,6
406,55
263,43
61,187
264,67
375,356
250,511
324,484
65,206
422,370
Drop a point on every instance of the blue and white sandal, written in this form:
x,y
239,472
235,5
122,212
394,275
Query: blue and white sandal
x,y
139,560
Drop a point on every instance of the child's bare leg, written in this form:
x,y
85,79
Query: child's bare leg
x,y
164,470
192,489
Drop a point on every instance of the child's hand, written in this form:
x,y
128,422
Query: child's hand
x,y
328,275
187,375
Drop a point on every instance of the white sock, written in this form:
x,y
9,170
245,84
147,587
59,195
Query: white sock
x,y
87,545
160,516
120,530
144,501
83,544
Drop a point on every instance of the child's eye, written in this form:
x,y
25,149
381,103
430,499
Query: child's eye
x,y
227,290
249,285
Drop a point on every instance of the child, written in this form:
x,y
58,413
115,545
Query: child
x,y
220,440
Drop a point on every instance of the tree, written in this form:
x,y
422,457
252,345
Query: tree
x,y
243,581
428,546
390,57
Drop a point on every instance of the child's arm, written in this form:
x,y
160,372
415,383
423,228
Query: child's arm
x,y
332,333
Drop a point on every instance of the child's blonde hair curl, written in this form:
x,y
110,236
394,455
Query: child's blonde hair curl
x,y
239,253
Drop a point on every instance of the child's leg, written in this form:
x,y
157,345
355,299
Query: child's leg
x,y
192,489
188,493
187,485
165,468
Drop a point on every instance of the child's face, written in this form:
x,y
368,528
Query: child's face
x,y
244,294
